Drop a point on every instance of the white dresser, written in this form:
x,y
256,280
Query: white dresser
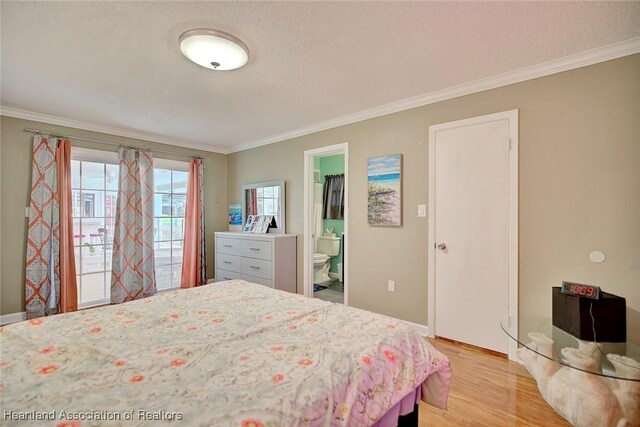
x,y
267,259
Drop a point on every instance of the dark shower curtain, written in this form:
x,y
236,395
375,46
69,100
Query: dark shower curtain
x,y
333,201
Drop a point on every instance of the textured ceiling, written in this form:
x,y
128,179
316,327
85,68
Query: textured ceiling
x,y
118,63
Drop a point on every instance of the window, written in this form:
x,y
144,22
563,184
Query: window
x,y
94,176
89,201
268,200
169,204
94,191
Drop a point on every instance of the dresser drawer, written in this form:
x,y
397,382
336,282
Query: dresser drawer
x,y
229,246
256,249
256,267
229,262
258,280
226,275
265,259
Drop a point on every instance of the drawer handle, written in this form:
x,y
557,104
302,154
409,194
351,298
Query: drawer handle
x,y
227,262
227,278
226,246
255,267
255,249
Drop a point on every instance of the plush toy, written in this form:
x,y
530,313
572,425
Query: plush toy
x,y
582,398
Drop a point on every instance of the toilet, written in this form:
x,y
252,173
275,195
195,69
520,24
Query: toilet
x,y
327,248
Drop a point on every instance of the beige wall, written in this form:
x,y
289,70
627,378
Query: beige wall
x,y
15,161
579,188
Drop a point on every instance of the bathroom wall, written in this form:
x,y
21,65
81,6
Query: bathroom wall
x,y
332,165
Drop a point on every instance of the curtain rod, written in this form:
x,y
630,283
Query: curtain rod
x,y
59,135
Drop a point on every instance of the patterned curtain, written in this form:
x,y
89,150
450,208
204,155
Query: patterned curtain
x,y
47,263
333,197
194,260
132,274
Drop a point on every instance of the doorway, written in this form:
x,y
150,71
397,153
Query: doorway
x,y
326,213
473,229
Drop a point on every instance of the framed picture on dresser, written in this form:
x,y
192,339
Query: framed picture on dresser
x,y
259,224
250,224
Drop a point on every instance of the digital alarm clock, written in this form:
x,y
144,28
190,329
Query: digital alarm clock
x,y
579,290
588,313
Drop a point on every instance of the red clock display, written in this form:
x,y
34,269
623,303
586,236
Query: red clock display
x,y
580,290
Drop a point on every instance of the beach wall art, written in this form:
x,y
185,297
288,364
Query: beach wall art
x,y
384,182
235,217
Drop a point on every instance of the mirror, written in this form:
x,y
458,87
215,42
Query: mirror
x,y
264,198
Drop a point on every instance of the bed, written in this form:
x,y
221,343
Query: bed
x,y
227,354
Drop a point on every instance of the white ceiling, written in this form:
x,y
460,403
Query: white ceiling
x,y
117,64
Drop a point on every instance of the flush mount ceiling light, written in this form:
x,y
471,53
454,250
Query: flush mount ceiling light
x,y
213,49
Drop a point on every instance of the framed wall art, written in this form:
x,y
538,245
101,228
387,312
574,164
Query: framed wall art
x,y
384,182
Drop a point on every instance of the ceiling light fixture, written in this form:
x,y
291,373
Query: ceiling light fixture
x,y
213,49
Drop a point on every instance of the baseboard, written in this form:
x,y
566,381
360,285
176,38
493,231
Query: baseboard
x,y
420,329
5,319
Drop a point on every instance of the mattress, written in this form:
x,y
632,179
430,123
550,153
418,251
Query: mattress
x,y
226,354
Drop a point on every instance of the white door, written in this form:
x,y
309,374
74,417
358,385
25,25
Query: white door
x,y
471,230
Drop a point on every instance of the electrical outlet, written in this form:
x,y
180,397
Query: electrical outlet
x,y
422,211
27,211
392,286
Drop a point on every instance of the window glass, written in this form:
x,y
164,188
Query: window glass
x,y
110,204
75,174
162,180
94,212
177,229
179,202
163,229
163,277
113,172
169,209
161,204
179,184
92,175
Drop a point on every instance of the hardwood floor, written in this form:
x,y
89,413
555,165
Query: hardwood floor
x,y
487,389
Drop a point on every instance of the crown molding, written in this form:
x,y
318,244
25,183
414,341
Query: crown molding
x,y
110,130
583,59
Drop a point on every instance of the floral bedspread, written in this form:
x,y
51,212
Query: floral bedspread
x,y
226,354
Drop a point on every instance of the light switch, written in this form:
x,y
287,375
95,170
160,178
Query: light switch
x,y
422,211
27,211
392,286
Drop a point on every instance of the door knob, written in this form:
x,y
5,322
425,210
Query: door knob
x,y
442,246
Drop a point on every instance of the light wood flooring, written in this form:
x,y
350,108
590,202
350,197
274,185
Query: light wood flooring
x,y
488,390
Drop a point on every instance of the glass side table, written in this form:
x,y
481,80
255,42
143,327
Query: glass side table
x,y
563,340
590,384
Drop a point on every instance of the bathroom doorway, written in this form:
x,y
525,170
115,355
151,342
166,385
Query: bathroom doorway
x,y
326,223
